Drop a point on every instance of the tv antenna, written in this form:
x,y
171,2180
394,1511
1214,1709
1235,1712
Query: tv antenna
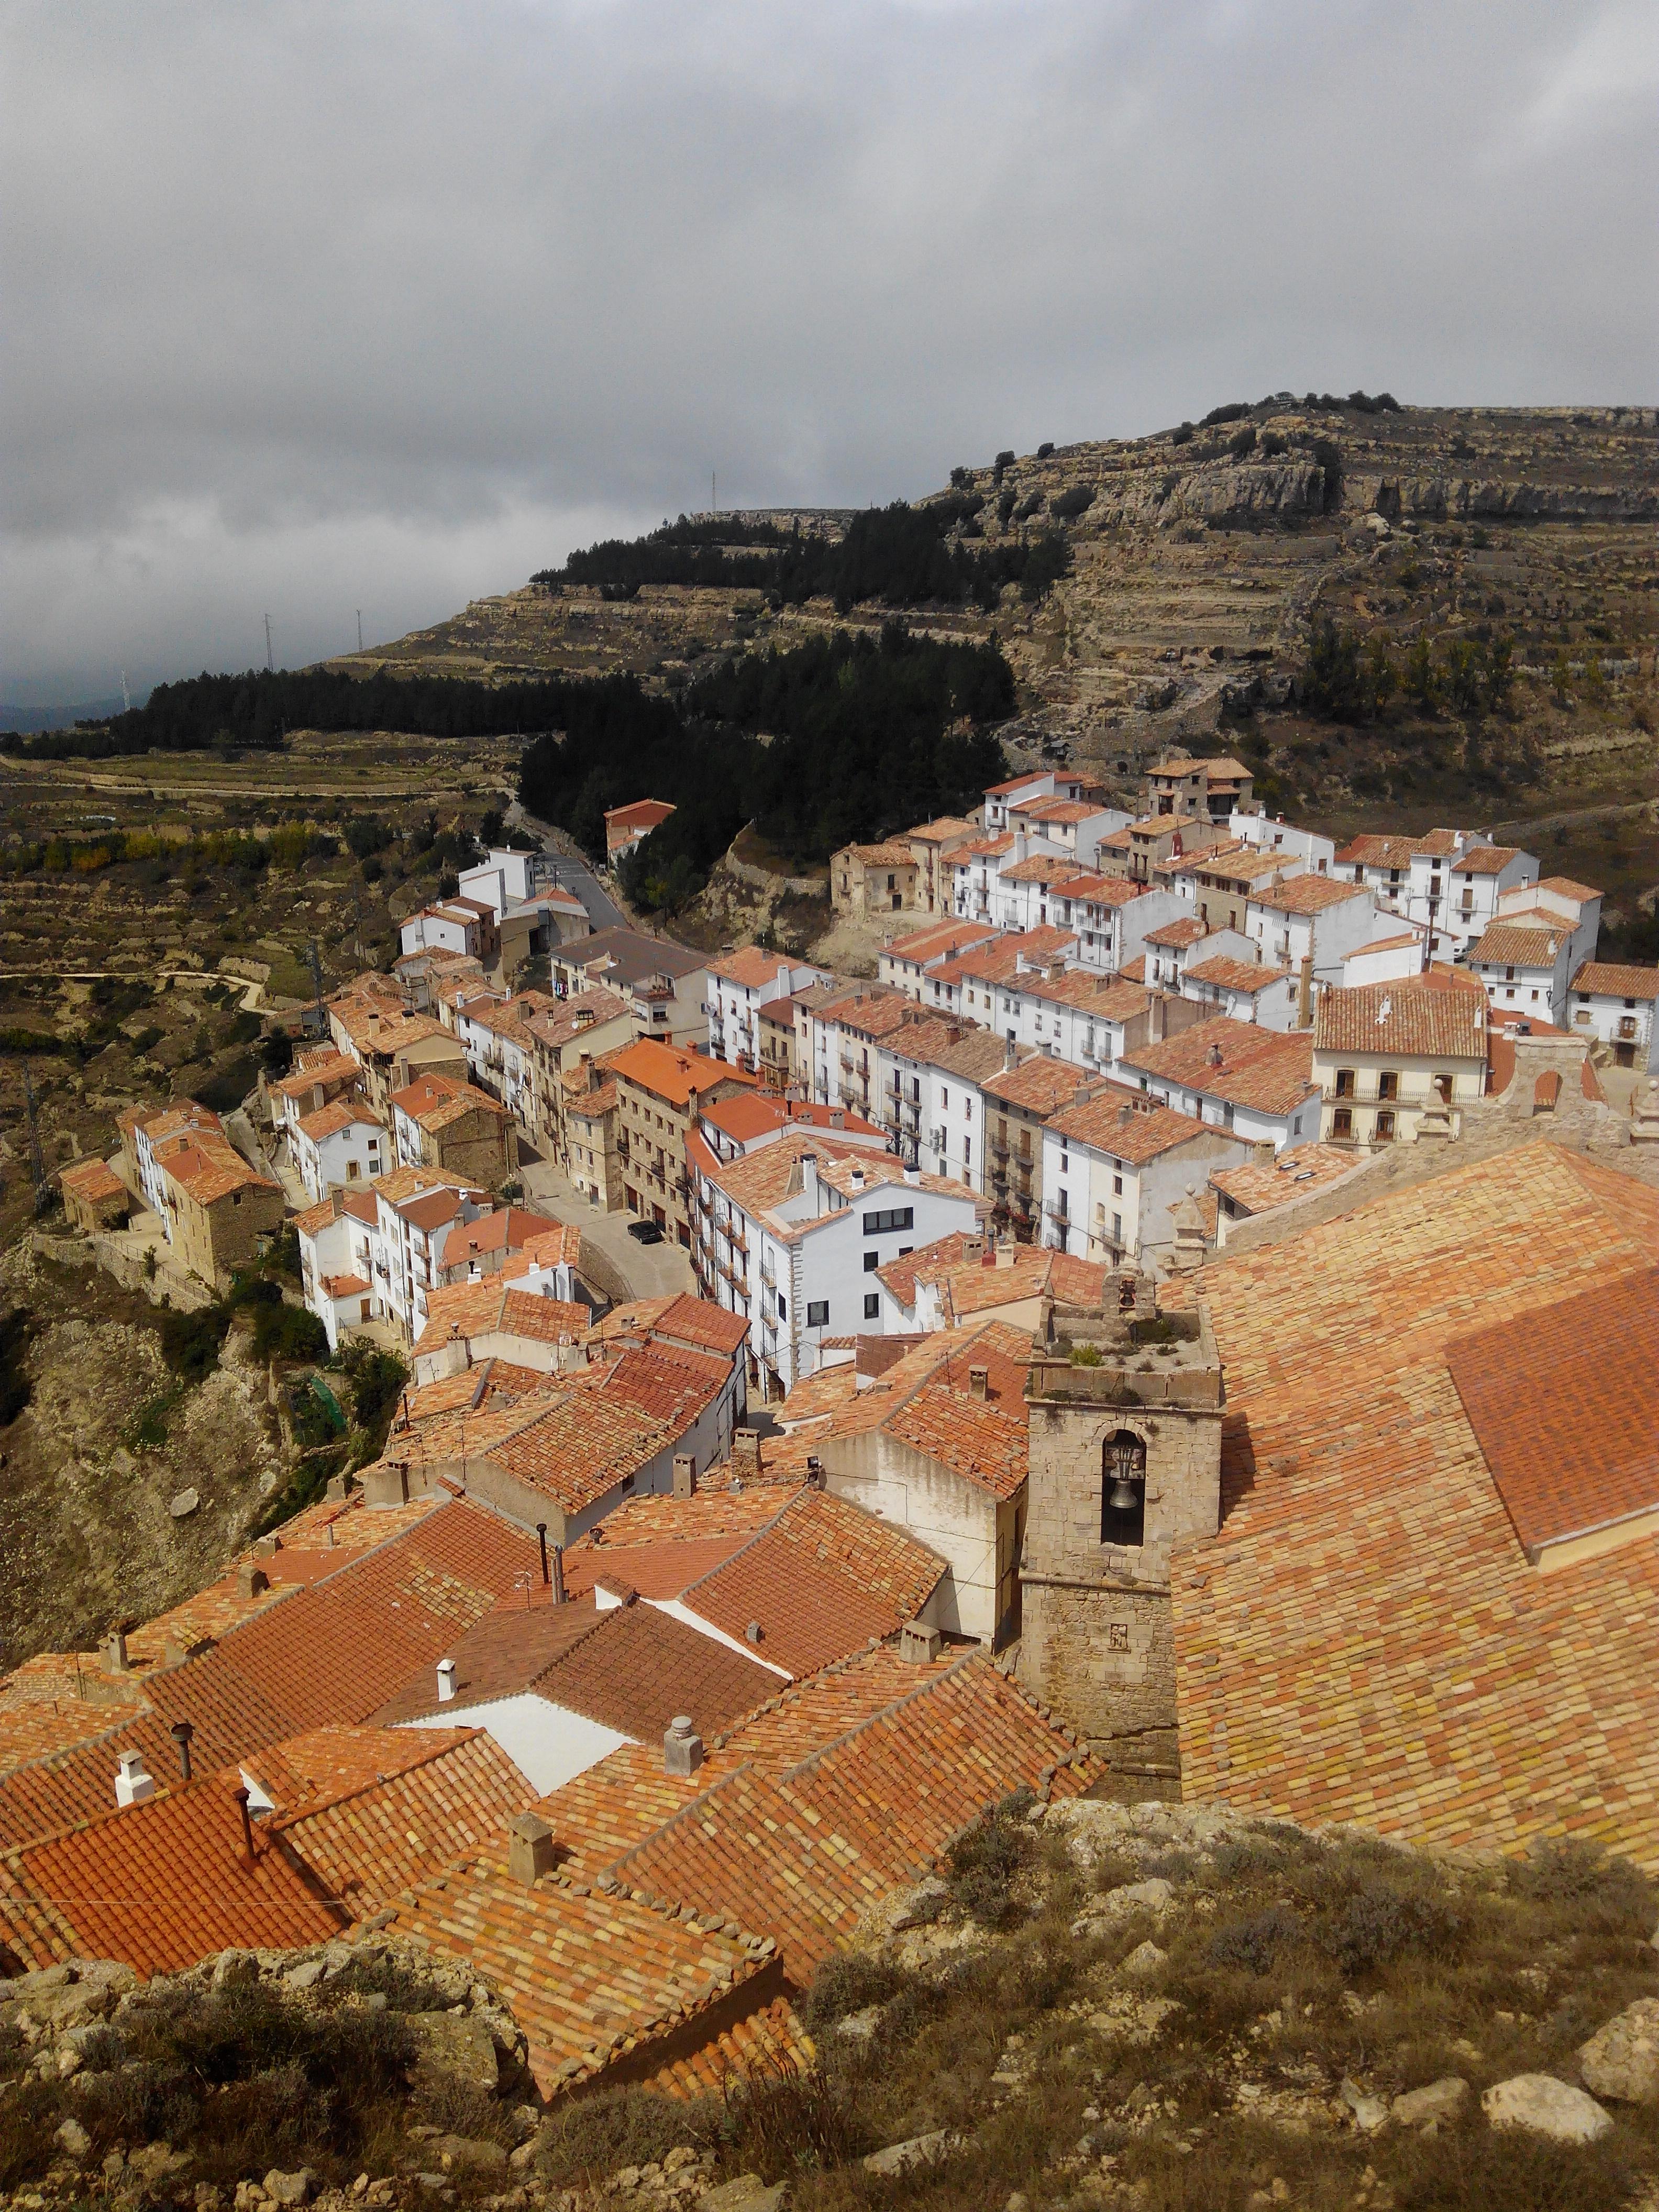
x,y
316,985
714,492
126,702
360,629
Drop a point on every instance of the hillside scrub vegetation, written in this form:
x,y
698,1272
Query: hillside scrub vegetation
x,y
1165,2009
893,556
847,737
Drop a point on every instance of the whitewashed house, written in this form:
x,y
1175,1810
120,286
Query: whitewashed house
x,y
342,1143
1115,1165
1615,1004
739,984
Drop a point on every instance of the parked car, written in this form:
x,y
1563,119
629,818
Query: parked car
x,y
645,1232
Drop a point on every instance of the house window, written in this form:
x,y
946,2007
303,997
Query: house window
x,y
1342,1122
873,1306
887,1219
1344,1083
1117,1186
872,1262
783,1310
1388,1084
1123,1489
817,1312
1385,1128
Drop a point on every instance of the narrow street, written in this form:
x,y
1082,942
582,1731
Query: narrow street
x,y
641,1271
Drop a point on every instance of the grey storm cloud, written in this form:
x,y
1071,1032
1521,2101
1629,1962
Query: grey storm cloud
x,y
324,304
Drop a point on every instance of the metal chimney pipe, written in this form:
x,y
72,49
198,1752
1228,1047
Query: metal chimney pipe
x,y
558,1574
541,1538
242,1797
182,1733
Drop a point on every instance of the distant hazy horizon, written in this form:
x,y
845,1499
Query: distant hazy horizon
x,y
384,306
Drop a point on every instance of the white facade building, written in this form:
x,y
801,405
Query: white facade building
x,y
1616,1004
344,1143
741,982
1113,1166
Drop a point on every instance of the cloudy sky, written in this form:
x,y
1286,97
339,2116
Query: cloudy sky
x,y
316,305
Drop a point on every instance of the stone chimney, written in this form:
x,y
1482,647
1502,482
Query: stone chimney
x,y
979,1382
682,1747
746,1451
115,1654
250,1581
685,1474
918,1644
529,1850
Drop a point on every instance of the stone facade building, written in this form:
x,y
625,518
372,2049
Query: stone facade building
x,y
1124,1464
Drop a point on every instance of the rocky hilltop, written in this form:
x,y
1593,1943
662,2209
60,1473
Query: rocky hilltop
x,y
1105,2006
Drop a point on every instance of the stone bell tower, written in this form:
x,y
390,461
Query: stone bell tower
x,y
1125,1442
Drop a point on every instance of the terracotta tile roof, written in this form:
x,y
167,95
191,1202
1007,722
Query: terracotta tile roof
x,y
701,1324
345,1287
1568,887
1230,974
210,1171
328,1651
1055,809
159,1885
938,832
767,2041
1518,945
1107,891
1045,868
669,1074
1376,852
628,1668
506,1229
982,1440
1016,783
330,1066
1268,1070
1188,930
1115,1120
802,1852
1610,980
891,854
591,1978
817,1395
444,1791
1403,1018
344,1113
1219,767
1487,860
929,1263
821,1579
1571,1432
488,1309
436,1102
1260,1188
94,1179
1038,1083
572,1017
317,1217
750,965
58,1701
1366,1641
1308,894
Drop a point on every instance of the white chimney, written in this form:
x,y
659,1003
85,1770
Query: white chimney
x,y
134,1781
445,1680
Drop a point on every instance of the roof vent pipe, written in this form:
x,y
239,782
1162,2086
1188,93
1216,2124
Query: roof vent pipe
x,y
753,1632
182,1733
541,1538
242,1797
445,1680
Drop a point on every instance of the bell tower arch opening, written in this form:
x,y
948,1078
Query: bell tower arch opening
x,y
1123,1489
